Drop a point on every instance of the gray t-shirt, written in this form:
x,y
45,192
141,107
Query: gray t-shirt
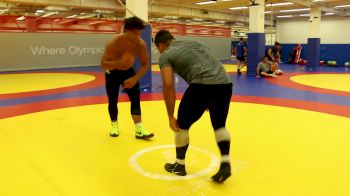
x,y
194,63
263,67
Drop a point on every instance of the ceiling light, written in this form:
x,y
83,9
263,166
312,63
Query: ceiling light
x,y
341,6
21,18
40,11
221,21
49,14
171,17
72,16
329,13
87,16
279,4
304,14
267,12
3,11
58,8
198,19
295,10
205,2
285,16
104,11
238,8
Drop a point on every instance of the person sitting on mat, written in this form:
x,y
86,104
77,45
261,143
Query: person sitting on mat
x,y
294,56
267,69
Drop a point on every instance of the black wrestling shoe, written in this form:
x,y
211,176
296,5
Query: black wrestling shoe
x,y
223,173
175,169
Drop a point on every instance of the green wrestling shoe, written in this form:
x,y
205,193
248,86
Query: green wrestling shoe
x,y
114,130
141,133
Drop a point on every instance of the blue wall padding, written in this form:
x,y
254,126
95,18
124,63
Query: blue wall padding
x,y
256,50
146,80
313,52
335,52
329,52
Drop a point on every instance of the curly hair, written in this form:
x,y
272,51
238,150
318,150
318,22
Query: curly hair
x,y
133,23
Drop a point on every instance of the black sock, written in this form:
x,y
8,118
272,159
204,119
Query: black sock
x,y
224,147
181,152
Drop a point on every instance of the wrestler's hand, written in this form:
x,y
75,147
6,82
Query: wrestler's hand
x,y
129,83
173,124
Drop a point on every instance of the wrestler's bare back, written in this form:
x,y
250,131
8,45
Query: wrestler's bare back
x,y
122,50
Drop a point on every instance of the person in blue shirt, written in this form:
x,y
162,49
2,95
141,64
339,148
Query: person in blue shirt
x,y
241,54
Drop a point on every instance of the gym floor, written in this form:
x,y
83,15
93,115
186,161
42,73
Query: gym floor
x,y
290,136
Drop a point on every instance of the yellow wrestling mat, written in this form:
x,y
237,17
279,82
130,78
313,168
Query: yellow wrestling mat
x,y
276,151
340,82
28,82
229,68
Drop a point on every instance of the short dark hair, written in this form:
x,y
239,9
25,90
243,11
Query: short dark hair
x,y
262,58
241,39
163,36
133,23
277,43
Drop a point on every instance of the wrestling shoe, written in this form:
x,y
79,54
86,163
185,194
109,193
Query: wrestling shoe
x,y
223,173
114,130
175,169
142,133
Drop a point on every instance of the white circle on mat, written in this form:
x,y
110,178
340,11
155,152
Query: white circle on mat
x,y
214,163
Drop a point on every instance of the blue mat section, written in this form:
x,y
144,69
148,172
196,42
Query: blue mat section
x,y
243,85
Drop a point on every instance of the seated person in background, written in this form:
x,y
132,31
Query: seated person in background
x,y
275,68
294,56
267,69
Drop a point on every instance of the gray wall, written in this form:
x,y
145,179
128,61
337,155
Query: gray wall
x,y
219,47
26,51
23,51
